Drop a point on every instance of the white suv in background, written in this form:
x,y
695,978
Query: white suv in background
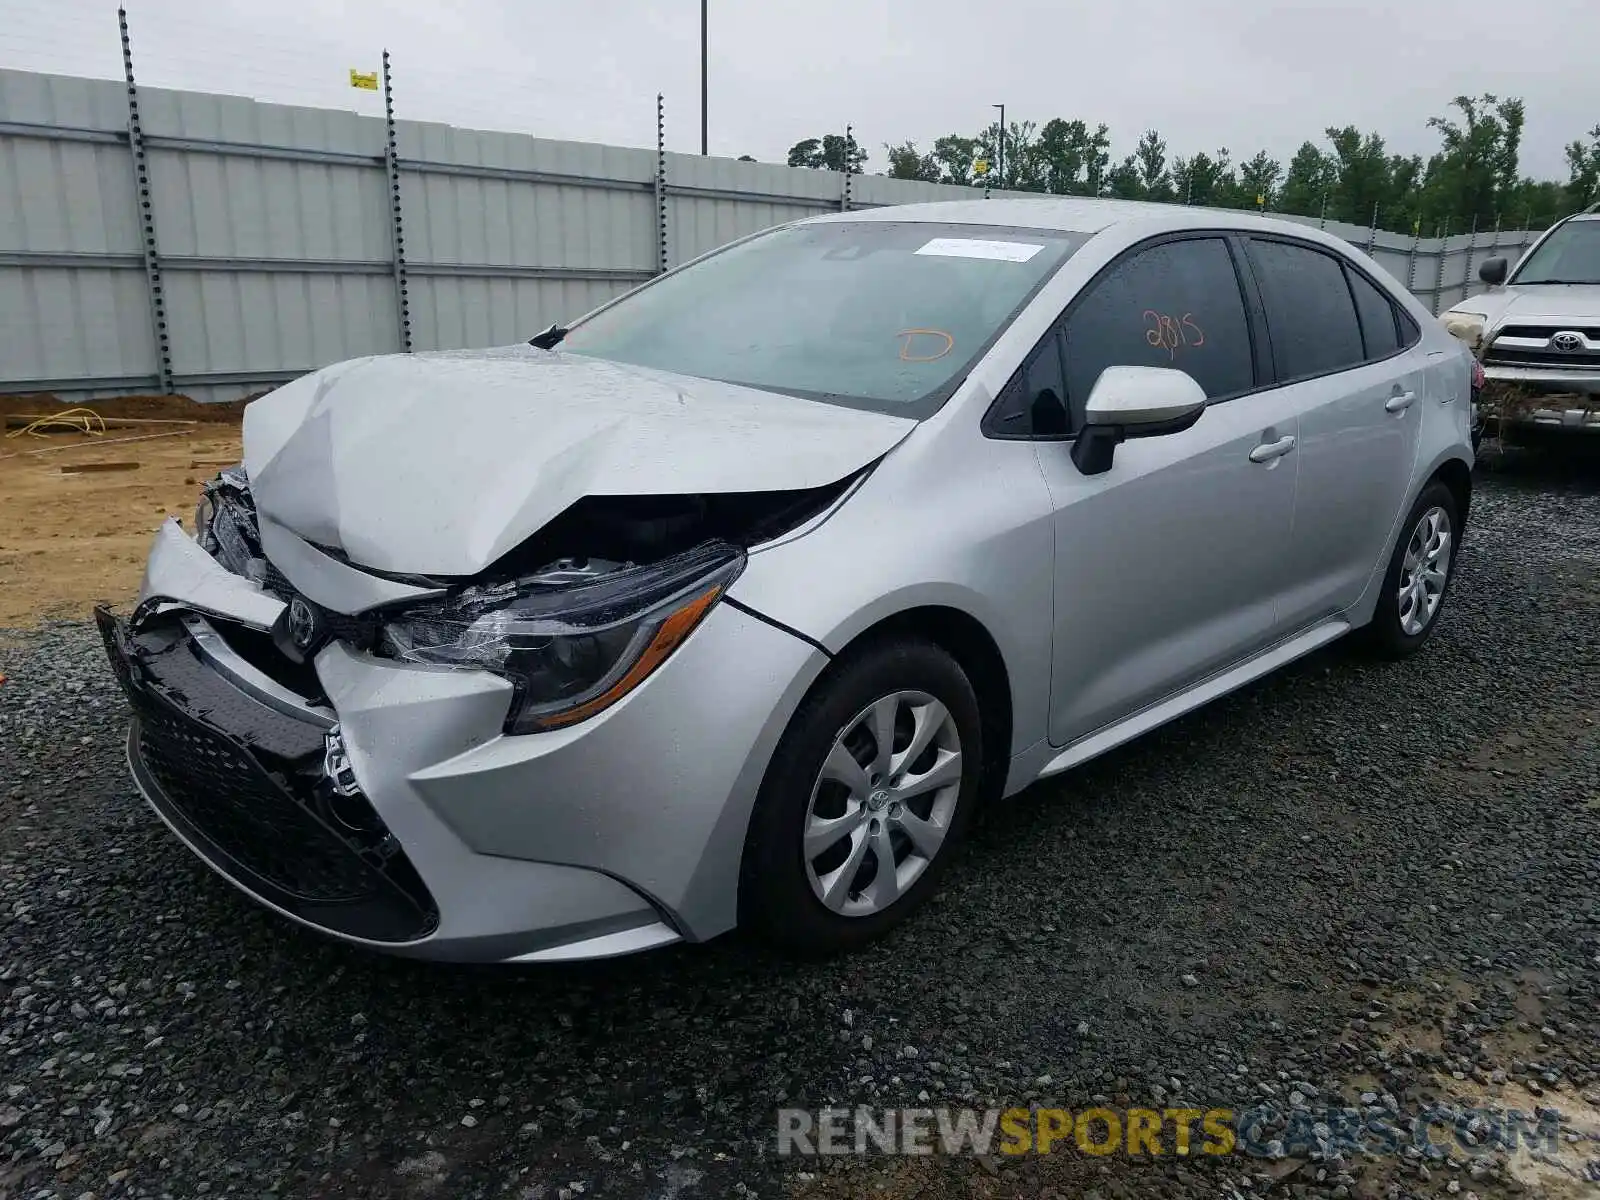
x,y
1537,332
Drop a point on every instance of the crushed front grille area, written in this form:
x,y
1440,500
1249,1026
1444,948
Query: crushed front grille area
x,y
245,785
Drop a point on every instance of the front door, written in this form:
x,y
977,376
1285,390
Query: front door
x,y
1169,566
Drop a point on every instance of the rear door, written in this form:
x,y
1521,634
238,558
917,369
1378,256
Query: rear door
x,y
1350,363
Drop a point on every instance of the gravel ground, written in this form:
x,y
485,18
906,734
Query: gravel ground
x,y
1351,880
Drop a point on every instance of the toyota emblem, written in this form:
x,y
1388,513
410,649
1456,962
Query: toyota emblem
x,y
1566,341
302,623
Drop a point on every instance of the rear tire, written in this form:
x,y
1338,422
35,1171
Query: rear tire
x,y
1419,575
835,802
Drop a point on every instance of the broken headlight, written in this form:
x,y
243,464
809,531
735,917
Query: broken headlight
x,y
1467,327
570,649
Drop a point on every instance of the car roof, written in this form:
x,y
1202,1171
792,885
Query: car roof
x,y
1075,214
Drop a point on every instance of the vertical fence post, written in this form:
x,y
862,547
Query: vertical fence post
x,y
1472,245
844,198
1322,221
1441,235
1372,231
1411,261
391,159
661,184
147,216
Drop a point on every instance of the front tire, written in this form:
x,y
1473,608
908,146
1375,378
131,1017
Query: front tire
x,y
865,801
1419,575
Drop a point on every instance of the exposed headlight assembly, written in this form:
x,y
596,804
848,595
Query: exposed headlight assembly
x,y
570,649
1466,326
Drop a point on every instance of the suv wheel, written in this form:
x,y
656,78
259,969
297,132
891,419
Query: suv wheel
x,y
865,800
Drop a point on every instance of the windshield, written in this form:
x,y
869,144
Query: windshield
x,y
1571,254
882,315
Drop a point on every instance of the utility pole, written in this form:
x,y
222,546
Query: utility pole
x,y
1000,155
704,144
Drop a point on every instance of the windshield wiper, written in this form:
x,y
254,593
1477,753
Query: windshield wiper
x,y
1558,282
550,338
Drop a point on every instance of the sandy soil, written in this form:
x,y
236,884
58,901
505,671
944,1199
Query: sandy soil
x,y
70,539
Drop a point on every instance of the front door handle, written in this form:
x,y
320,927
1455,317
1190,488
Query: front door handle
x,y
1399,402
1267,451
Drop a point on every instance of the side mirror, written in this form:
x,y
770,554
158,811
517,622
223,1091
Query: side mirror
x,y
1494,271
1134,402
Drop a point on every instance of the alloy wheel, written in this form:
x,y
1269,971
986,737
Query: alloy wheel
x,y
1424,571
882,803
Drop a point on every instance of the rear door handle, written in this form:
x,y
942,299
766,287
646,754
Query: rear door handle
x,y
1399,402
1267,451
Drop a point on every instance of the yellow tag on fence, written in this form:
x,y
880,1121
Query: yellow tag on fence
x,y
364,81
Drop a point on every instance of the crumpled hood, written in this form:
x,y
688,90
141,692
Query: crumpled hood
x,y
1541,304
438,464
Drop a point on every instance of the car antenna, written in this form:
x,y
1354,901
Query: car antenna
x,y
549,338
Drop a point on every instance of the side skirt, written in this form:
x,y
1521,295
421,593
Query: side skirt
x,y
1109,737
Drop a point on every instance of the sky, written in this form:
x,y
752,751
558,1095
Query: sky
x,y
1205,73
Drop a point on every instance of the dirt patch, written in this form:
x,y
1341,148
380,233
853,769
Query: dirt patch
x,y
1541,744
137,407
71,539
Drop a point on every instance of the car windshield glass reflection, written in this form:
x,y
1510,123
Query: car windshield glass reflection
x,y
1569,255
882,315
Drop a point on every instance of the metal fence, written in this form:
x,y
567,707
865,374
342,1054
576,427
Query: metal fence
x,y
157,240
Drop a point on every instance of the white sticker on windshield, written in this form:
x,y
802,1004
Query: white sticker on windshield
x,y
980,248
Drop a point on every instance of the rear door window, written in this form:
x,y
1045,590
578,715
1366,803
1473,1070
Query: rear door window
x,y
1311,315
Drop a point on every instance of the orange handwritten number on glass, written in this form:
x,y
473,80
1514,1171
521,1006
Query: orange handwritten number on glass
x,y
1156,335
1167,334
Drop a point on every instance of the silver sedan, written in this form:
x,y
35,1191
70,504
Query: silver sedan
x,y
731,602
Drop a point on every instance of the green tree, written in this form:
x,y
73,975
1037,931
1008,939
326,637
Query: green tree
x,y
829,153
1124,180
1072,159
1583,165
1308,182
1204,180
1017,169
955,155
1475,176
1258,176
906,162
1361,173
1476,166
1151,154
1402,209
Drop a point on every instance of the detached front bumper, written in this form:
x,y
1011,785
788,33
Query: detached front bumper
x,y
390,811
1563,381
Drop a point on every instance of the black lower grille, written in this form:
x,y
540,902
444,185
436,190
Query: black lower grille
x,y
218,788
1556,360
245,785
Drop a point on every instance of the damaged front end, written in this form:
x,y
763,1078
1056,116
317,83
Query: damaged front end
x,y
574,618
254,779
